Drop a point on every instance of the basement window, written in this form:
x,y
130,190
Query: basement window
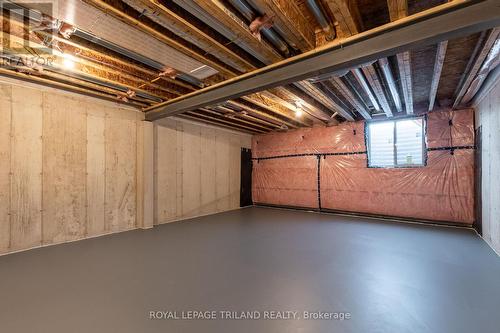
x,y
396,143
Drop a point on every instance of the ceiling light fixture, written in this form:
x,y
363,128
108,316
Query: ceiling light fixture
x,y
298,109
68,61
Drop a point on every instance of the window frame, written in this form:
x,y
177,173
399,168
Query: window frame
x,y
395,120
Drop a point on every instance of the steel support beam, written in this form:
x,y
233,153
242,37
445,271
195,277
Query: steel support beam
x,y
450,20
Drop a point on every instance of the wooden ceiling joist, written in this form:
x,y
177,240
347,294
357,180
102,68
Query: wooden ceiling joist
x,y
208,114
215,122
269,103
233,116
450,20
480,53
343,111
346,92
391,83
221,13
114,8
97,66
398,9
350,24
289,19
169,18
346,16
65,77
358,75
263,115
202,36
378,90
308,119
436,75
404,65
256,120
94,53
50,82
84,72
302,94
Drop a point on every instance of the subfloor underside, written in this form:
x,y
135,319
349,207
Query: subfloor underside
x,y
387,276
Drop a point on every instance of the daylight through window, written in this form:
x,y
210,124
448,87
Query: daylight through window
x,y
396,143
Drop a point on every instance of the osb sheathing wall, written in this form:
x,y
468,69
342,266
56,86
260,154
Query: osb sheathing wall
x,y
326,168
197,169
68,167
488,117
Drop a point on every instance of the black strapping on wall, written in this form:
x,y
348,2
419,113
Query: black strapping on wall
x,y
451,148
308,154
318,157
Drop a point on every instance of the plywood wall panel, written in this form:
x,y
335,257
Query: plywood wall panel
x,y
120,202
223,149
62,156
146,177
234,171
96,172
166,172
191,168
208,173
64,169
26,166
197,169
179,169
5,123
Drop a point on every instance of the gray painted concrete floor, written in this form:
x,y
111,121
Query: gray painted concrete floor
x,y
390,277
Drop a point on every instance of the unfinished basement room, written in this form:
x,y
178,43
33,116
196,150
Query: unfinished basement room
x,y
244,166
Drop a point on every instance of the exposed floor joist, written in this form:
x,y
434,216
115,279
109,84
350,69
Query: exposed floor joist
x,y
221,13
288,19
436,76
112,7
404,65
349,22
378,90
163,15
398,9
256,120
479,55
217,123
358,75
389,79
260,114
440,23
363,111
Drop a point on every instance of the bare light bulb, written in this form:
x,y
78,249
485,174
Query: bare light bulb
x,y
298,113
68,61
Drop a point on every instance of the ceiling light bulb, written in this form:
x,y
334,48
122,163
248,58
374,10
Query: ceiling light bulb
x,y
68,61
298,113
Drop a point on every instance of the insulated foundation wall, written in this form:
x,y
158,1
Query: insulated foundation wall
x,y
327,168
68,167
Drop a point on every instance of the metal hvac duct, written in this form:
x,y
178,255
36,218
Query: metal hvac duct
x,y
248,12
321,18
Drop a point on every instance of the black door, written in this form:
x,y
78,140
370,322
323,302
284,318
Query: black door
x,y
478,186
246,178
